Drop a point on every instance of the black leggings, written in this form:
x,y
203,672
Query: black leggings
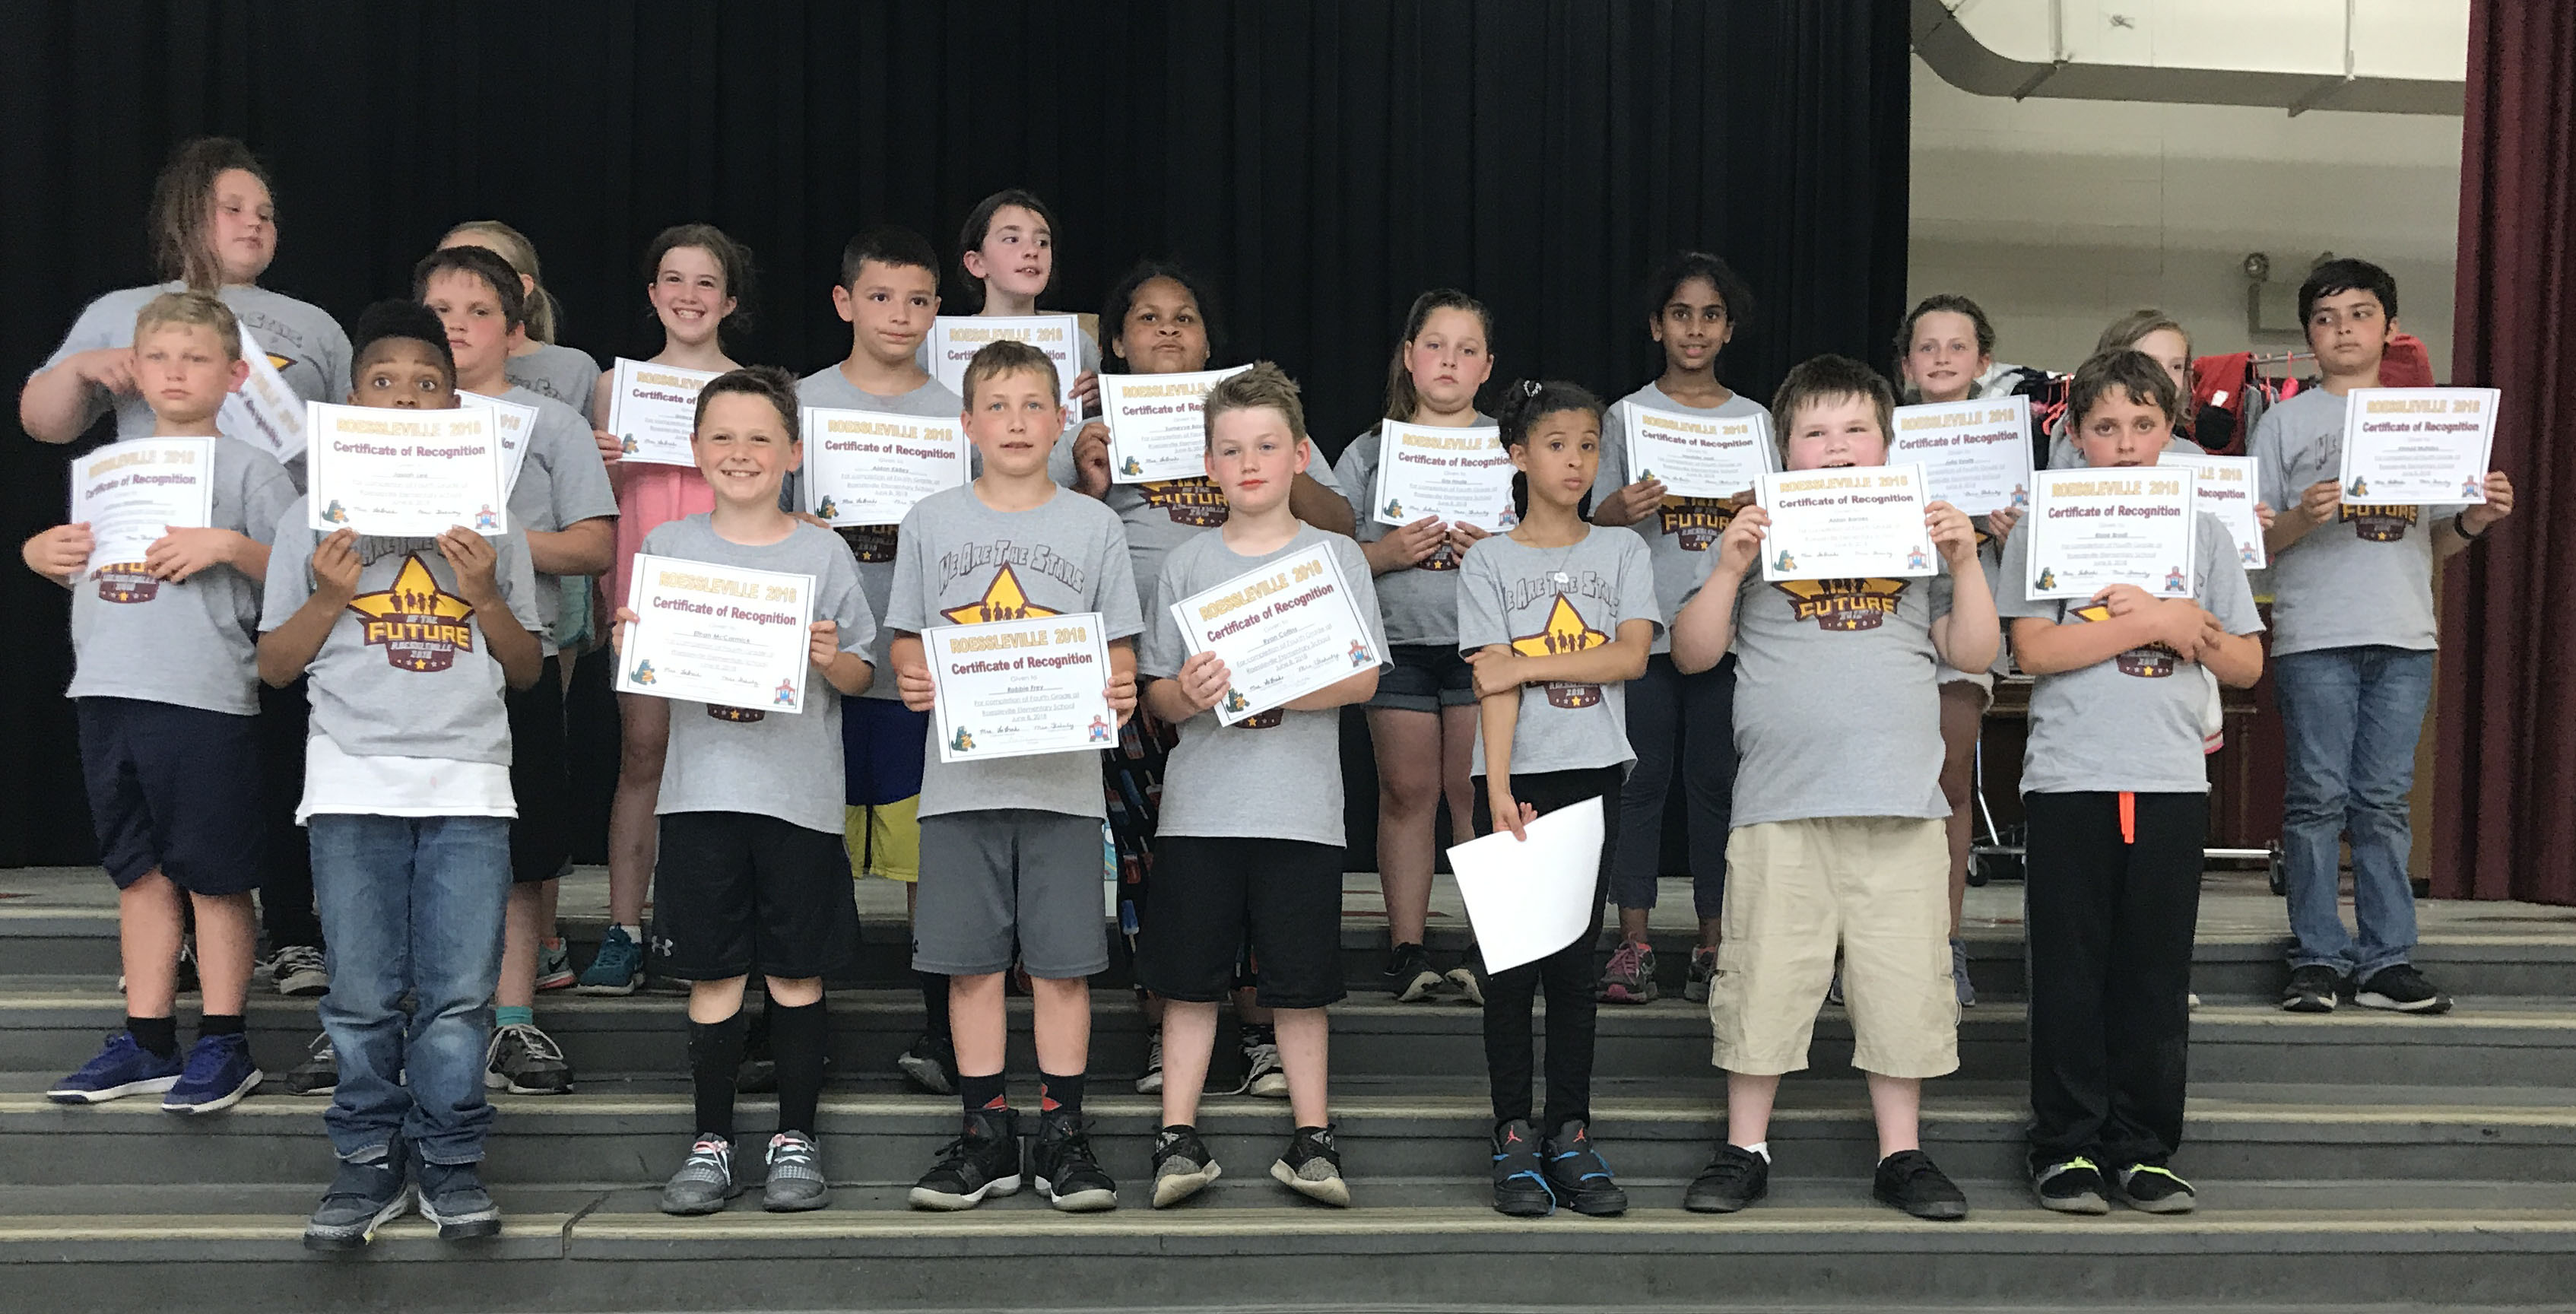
x,y
1567,973
1685,725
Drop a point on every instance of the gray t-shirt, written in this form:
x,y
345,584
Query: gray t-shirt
x,y
2367,579
960,562
192,643
562,481
872,545
558,373
1836,713
1162,515
1545,601
744,759
1289,760
2133,722
1420,601
405,671
1680,535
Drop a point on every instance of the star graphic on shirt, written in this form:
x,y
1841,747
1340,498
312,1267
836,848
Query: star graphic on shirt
x,y
1003,600
1564,632
420,626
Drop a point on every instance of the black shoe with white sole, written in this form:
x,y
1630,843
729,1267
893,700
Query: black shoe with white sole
x,y
2312,989
2401,989
1061,1163
983,1161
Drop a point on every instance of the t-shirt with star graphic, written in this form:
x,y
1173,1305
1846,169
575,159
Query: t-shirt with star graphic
x,y
1681,534
1542,602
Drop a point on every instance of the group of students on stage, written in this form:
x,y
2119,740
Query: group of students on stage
x,y
1615,637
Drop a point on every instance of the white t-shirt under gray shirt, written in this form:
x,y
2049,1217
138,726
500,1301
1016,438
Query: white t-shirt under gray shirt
x,y
1681,534
759,761
957,562
872,545
1420,601
1547,601
1291,759
2365,579
2131,722
558,373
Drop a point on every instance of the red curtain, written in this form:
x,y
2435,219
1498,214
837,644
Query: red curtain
x,y
2505,821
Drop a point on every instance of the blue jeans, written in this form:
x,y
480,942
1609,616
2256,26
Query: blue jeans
x,y
410,905
2352,716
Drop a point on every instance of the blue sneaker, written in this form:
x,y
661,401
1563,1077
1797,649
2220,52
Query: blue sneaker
x,y
617,969
122,1068
218,1074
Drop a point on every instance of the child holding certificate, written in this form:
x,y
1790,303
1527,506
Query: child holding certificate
x,y
164,691
697,280
407,797
1229,876
753,876
1422,722
1010,846
1554,618
2353,634
1007,251
1838,841
538,362
1677,724
2118,798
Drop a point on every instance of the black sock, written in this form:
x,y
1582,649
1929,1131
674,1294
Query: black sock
x,y
934,1005
981,1093
715,1059
219,1024
158,1036
1060,1094
797,1036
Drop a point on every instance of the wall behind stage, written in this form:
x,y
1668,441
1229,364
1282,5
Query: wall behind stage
x,y
1321,162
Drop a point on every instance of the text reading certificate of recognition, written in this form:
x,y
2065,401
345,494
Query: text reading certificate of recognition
x,y
132,493
868,468
2417,446
1155,428
1459,475
1698,456
403,474
653,409
2226,487
2091,529
1853,522
734,639
1975,454
1014,688
1283,631
516,428
954,340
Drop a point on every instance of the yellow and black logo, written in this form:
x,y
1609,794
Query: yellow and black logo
x,y
2374,523
1843,605
420,626
126,581
1196,502
1695,522
871,544
2152,662
1566,631
1003,600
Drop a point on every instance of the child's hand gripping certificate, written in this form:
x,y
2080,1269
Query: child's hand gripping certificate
x,y
1698,456
737,640
1155,431
134,492
515,426
954,340
868,468
263,412
1975,454
2417,446
1852,522
403,474
2226,487
653,409
2091,529
1283,631
1020,687
1458,475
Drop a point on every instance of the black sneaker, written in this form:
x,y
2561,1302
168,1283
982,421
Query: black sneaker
x,y
1578,1176
796,1181
704,1183
1909,1181
2312,989
361,1198
525,1061
930,1064
982,1161
2153,1189
1520,1175
1409,975
452,1196
1061,1163
319,1073
1734,1178
1182,1165
2401,989
1312,1167
2073,1186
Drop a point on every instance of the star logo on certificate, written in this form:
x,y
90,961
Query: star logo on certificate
x,y
1843,605
420,625
1003,600
1566,631
2154,661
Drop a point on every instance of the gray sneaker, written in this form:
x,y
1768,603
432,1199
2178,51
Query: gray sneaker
x,y
705,1180
1959,972
319,1073
299,970
525,1061
1312,1167
1182,1166
361,1198
452,1196
796,1181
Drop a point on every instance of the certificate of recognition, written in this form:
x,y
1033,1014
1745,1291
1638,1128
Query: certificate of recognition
x,y
1155,431
734,639
954,340
264,412
514,425
868,468
1698,456
1458,475
132,493
653,409
1856,522
403,474
2417,446
1975,454
1283,631
2225,486
2091,529
1014,688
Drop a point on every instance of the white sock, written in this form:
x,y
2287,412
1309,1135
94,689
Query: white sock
x,y
1762,1148
634,933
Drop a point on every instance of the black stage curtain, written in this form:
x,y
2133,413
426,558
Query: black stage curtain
x,y
1321,160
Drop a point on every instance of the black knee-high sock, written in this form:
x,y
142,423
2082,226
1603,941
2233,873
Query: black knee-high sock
x,y
796,1039
934,1005
715,1058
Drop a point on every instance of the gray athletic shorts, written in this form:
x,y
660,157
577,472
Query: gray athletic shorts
x,y
1002,878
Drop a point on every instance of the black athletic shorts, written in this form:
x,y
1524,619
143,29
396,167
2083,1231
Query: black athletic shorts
x,y
735,894
1213,895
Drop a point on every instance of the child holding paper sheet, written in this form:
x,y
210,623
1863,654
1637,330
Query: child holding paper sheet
x,y
1554,618
1006,249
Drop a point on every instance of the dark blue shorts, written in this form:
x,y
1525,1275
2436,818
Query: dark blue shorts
x,y
177,788
882,743
1425,678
